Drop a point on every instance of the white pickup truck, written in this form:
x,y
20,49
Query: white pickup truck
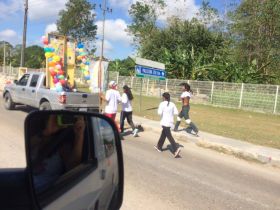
x,y
31,90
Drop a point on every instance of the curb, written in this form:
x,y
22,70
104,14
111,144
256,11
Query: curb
x,y
234,151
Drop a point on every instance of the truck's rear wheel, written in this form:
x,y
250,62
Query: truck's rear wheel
x,y
9,104
45,106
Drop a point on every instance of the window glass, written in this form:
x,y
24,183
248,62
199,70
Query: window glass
x,y
23,81
107,137
34,80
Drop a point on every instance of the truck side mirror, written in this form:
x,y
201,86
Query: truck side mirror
x,y
16,81
74,160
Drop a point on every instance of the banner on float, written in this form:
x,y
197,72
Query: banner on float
x,y
94,70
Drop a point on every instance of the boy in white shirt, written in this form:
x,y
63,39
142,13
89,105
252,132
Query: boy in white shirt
x,y
113,98
167,110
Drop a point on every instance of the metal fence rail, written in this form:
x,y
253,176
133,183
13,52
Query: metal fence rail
x,y
253,97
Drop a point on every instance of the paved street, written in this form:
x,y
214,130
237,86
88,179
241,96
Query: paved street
x,y
201,179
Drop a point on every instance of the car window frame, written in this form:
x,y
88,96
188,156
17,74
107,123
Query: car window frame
x,y
18,83
38,77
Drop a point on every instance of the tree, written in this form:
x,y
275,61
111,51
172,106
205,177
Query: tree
x,y
77,21
144,16
35,57
256,30
125,67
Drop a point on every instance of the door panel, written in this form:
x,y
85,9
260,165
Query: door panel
x,y
20,90
31,90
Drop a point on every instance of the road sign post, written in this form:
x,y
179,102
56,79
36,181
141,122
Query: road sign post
x,y
151,70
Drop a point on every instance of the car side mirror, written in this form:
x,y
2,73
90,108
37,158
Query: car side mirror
x,y
74,160
16,81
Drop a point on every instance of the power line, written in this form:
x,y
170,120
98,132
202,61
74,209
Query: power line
x,y
24,34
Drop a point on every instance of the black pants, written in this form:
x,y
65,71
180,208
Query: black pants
x,y
166,133
128,116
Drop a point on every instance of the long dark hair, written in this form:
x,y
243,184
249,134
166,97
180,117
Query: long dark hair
x,y
187,87
166,96
128,92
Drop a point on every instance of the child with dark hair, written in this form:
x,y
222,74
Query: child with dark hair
x,y
185,98
167,110
126,113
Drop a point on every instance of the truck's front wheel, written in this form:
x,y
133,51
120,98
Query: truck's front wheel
x,y
45,106
9,104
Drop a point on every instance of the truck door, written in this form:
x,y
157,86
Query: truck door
x,y
20,90
31,90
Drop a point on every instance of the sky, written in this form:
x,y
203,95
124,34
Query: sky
x,y
42,16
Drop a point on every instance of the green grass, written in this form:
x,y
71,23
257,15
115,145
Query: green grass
x,y
257,128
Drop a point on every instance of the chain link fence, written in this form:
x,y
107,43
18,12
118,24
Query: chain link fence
x,y
253,97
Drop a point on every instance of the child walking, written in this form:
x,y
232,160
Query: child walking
x,y
185,98
126,113
167,110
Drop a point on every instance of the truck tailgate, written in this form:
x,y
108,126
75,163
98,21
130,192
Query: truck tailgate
x,y
78,99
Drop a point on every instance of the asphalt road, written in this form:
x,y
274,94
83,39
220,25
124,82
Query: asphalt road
x,y
200,179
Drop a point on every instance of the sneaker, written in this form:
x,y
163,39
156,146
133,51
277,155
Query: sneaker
x,y
159,150
175,130
177,152
135,132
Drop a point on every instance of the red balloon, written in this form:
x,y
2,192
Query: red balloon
x,y
60,72
63,82
45,41
52,72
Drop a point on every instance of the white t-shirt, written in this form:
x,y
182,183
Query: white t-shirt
x,y
126,103
113,97
186,94
167,113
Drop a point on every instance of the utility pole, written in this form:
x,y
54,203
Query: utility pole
x,y
104,9
4,57
24,34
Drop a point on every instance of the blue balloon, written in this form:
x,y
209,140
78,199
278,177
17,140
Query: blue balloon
x,y
80,45
58,87
87,63
50,59
87,77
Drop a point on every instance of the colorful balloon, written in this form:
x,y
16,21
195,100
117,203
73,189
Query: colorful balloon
x,y
62,82
58,66
60,72
45,41
61,77
56,58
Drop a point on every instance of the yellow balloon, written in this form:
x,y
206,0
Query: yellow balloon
x,y
81,50
48,54
56,58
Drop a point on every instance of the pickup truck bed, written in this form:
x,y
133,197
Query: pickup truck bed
x,y
30,90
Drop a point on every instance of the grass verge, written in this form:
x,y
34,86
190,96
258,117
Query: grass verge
x,y
256,128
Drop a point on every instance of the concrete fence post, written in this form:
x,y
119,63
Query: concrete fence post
x,y
241,96
166,85
212,92
131,82
276,99
118,74
147,90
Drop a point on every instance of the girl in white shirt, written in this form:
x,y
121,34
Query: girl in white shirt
x,y
126,113
167,110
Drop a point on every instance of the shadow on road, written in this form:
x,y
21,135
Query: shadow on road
x,y
23,108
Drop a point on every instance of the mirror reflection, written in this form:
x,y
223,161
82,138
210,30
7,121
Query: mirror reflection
x,y
56,147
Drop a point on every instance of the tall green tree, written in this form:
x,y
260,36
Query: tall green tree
x,y
256,29
78,21
144,16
